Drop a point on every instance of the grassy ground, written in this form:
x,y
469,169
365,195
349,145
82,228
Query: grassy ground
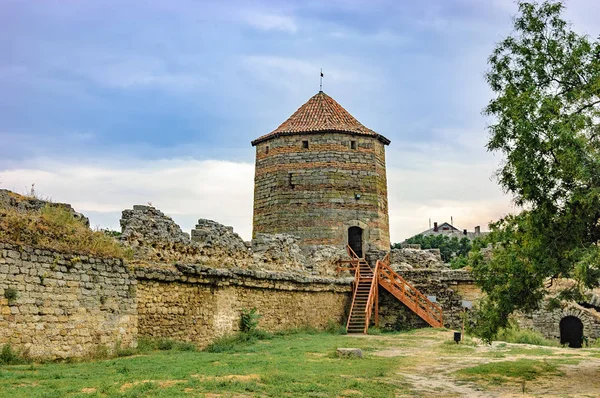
x,y
419,363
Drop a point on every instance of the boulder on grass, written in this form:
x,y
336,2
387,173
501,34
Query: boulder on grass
x,y
349,353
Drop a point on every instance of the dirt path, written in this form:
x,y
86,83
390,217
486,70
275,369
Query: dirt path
x,y
431,365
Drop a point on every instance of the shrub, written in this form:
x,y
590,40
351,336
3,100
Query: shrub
x,y
9,357
165,344
249,320
124,352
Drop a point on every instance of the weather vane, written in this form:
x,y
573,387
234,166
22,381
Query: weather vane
x,y
321,84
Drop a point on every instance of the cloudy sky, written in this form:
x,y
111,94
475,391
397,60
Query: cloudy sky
x,y
106,104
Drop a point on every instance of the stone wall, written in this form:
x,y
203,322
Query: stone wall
x,y
311,192
65,305
198,304
547,321
450,288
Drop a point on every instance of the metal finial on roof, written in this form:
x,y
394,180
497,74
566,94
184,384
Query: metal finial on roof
x,y
321,84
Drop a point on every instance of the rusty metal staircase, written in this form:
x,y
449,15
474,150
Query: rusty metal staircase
x,y
366,294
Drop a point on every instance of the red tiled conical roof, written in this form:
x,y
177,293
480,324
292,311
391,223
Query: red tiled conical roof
x,y
321,113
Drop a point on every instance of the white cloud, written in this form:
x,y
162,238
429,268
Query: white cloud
x,y
270,21
139,71
188,189
185,189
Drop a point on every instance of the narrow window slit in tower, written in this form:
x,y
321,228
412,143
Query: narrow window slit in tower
x,y
267,149
305,144
352,144
290,182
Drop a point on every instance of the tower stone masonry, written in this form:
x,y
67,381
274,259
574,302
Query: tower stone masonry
x,y
321,176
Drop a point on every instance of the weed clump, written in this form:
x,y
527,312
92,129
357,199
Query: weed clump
x,y
335,328
514,334
146,344
8,356
234,342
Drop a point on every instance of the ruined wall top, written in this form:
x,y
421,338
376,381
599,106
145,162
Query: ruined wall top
x,y
9,199
146,224
156,238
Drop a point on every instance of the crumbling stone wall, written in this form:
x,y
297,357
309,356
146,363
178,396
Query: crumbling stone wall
x,y
65,305
198,304
157,239
312,192
409,258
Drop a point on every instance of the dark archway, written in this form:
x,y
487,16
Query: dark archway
x,y
355,240
571,331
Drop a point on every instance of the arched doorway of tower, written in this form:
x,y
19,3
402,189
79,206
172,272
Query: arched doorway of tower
x,y
355,240
571,331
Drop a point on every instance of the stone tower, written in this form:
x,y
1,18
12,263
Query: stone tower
x,y
321,176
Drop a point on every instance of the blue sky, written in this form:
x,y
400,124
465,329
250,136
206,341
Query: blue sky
x,y
106,104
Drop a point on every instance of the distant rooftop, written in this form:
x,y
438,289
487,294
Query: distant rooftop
x,y
319,114
450,230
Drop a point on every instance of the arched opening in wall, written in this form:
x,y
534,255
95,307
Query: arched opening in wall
x,y
355,240
571,331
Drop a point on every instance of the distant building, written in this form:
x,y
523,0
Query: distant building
x,y
451,231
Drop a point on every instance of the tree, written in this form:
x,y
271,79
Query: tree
x,y
546,114
450,248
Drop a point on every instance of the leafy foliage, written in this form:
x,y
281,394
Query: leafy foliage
x,y
546,123
249,320
450,247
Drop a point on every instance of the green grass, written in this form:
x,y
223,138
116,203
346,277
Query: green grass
x,y
286,365
518,370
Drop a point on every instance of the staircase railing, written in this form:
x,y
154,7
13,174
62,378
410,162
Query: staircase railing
x,y
353,262
372,297
356,267
409,295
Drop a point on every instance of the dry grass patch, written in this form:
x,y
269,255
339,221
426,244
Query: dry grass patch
x,y
55,228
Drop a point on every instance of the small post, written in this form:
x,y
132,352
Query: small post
x,y
463,323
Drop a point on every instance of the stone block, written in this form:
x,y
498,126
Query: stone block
x,y
349,353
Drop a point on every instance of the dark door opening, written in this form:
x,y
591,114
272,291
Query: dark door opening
x,y
571,331
355,240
